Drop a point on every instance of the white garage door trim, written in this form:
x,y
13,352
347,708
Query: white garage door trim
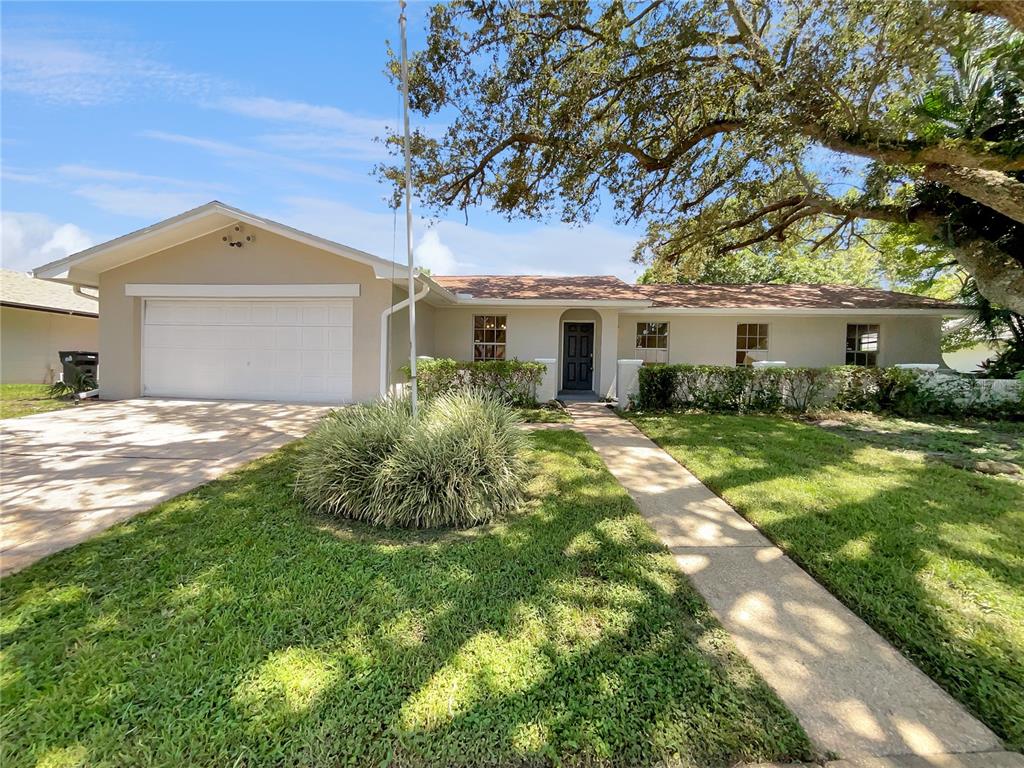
x,y
274,349
235,290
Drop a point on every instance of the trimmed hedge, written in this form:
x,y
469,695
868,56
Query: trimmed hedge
x,y
744,389
513,381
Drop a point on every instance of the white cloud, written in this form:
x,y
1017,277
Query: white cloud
x,y
263,108
255,157
93,173
541,250
141,202
431,253
100,72
32,239
335,131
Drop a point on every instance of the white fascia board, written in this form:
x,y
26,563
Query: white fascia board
x,y
382,268
797,311
238,291
607,303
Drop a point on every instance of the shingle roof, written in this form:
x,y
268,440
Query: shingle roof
x,y
696,296
27,291
541,287
795,296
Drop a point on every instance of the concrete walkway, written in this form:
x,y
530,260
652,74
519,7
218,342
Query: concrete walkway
x,y
67,475
854,694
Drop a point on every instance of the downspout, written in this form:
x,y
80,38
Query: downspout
x,y
388,311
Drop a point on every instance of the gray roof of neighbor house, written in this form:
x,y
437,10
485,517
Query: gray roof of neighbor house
x,y
695,296
18,289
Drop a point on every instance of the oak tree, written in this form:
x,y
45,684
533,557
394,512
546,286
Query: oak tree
x,y
721,124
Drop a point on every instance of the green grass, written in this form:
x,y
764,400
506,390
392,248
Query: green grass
x,y
960,442
930,555
26,399
230,627
545,414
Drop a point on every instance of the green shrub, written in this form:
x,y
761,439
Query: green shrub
x,y
79,381
745,389
512,381
458,465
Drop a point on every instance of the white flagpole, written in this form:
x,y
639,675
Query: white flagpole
x,y
408,215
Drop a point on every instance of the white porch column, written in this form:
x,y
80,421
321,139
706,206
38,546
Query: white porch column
x,y
604,386
547,390
627,381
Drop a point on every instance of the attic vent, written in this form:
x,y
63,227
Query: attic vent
x,y
237,237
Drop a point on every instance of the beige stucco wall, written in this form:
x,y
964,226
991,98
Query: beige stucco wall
x,y
532,333
814,340
399,335
30,340
270,260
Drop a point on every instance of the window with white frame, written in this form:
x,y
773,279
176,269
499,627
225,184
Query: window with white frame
x,y
489,337
652,342
862,344
751,342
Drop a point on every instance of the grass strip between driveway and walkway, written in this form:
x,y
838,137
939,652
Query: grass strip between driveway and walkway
x,y
229,626
26,399
930,555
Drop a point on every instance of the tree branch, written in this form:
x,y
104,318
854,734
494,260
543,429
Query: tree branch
x,y
967,154
996,190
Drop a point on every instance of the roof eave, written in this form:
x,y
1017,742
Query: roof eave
x,y
933,311
74,268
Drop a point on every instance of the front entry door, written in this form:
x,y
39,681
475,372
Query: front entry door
x,y
578,356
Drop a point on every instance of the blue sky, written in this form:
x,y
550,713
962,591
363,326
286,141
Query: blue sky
x,y
116,115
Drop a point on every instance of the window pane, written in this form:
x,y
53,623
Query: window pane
x,y
478,321
740,357
478,335
478,351
499,352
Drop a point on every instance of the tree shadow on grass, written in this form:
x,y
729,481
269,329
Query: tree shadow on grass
x,y
229,625
931,556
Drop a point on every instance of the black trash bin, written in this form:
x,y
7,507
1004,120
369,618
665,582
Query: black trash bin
x,y
87,362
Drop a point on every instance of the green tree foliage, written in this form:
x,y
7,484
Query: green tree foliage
x,y
721,125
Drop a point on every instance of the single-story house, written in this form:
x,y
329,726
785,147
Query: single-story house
x,y
219,303
39,318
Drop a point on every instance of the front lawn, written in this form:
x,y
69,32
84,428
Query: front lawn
x,y
990,446
930,555
25,399
229,627
545,414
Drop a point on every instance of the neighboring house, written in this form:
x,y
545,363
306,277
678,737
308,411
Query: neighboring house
x,y
219,303
38,318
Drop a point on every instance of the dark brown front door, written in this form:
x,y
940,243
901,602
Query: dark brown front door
x,y
578,356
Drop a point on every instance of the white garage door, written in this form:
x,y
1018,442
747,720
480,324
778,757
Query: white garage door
x,y
291,350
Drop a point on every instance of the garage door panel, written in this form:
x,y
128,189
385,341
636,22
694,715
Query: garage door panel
x,y
339,315
313,338
339,339
287,338
298,350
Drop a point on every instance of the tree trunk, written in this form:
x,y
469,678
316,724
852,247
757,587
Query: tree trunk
x,y
1000,277
993,189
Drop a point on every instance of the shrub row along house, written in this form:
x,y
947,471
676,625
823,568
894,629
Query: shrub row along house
x,y
219,303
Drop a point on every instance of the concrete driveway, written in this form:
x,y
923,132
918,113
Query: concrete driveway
x,y
69,474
